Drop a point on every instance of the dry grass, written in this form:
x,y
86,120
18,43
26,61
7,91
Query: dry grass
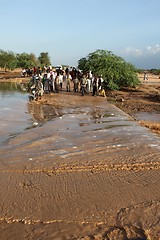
x,y
155,127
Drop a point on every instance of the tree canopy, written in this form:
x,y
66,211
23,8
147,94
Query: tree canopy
x,y
115,70
7,60
25,60
10,60
44,59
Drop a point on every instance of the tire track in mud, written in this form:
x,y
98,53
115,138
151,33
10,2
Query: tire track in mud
x,y
139,221
93,168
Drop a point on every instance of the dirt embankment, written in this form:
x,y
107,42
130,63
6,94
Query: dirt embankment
x,y
143,99
9,74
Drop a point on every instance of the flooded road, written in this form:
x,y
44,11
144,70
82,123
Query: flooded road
x,y
91,172
77,125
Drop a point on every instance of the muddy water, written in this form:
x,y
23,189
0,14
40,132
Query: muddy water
x,y
14,115
17,114
78,127
91,172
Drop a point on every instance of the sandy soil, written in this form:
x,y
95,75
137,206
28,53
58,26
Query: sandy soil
x,y
92,173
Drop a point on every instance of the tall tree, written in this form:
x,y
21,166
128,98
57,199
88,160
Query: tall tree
x,y
33,59
23,60
7,60
82,64
44,59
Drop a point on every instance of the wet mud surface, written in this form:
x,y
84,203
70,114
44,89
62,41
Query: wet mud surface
x,y
14,116
142,103
90,172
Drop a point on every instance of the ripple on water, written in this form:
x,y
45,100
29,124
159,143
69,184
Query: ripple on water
x,y
14,117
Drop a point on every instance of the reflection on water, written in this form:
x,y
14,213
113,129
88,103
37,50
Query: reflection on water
x,y
36,111
42,113
11,86
14,116
17,114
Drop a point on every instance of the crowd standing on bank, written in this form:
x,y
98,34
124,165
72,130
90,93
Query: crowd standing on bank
x,y
48,80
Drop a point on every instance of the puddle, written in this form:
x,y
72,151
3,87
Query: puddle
x,y
148,116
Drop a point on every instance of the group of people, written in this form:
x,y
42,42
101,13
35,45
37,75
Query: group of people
x,y
90,83
53,81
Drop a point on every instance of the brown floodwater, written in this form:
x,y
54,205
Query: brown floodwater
x,y
17,114
80,169
72,127
14,115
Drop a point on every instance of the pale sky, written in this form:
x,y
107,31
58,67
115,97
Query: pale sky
x,y
71,29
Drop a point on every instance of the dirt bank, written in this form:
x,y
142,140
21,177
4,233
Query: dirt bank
x,y
144,99
136,102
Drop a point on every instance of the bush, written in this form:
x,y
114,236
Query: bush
x,y
115,71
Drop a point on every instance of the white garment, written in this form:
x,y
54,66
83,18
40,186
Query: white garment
x,y
60,78
88,84
48,75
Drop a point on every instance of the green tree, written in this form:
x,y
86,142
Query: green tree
x,y
115,71
33,60
25,60
82,64
12,61
44,59
7,60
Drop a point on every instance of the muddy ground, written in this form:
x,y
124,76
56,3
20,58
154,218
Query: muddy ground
x,y
144,99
